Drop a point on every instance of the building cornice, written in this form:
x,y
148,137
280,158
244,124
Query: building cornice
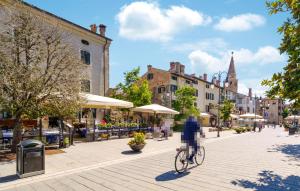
x,y
56,20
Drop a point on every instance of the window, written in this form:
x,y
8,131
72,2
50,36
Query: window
x,y
174,78
206,95
240,101
195,82
161,89
85,42
173,88
248,109
206,108
85,86
187,81
85,57
207,85
196,93
149,76
212,96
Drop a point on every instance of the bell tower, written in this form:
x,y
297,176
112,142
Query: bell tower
x,y
231,76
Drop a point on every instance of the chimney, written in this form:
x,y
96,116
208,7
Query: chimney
x,y
93,28
172,66
201,77
250,92
181,68
214,80
149,67
193,75
205,76
102,29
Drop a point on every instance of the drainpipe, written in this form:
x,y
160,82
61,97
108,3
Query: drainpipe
x,y
104,60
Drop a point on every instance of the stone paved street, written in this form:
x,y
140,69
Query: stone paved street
x,y
254,161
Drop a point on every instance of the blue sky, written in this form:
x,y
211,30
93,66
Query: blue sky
x,y
198,33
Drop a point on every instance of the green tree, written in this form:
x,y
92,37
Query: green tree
x,y
134,89
39,74
286,84
226,109
185,99
285,113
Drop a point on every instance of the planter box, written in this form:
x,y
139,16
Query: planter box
x,y
137,148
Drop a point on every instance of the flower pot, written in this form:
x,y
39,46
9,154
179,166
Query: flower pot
x,y
137,148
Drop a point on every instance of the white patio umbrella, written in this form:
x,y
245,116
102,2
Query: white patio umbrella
x,y
155,108
251,116
96,101
233,116
293,117
204,115
260,120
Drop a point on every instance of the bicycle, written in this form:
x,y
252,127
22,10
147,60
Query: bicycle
x,y
181,158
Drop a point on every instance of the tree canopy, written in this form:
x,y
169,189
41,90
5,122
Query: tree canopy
x,y
286,84
39,72
185,99
226,109
134,89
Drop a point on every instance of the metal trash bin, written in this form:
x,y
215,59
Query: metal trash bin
x,y
292,130
30,158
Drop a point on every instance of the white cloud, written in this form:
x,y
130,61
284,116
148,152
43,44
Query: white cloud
x,y
210,44
241,22
206,61
212,63
147,21
255,84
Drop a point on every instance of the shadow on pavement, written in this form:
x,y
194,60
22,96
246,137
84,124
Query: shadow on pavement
x,y
268,180
8,178
170,175
292,151
130,152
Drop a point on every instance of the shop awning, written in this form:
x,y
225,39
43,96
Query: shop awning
x,y
155,108
96,101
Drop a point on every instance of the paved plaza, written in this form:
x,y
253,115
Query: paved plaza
x,y
269,160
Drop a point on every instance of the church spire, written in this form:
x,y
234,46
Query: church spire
x,y
231,76
231,70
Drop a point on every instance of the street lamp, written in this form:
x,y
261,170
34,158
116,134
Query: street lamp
x,y
219,75
263,106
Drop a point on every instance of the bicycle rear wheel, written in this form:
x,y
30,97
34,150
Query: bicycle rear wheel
x,y
181,162
200,156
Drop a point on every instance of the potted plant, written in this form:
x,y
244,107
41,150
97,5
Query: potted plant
x,y
66,142
286,126
138,142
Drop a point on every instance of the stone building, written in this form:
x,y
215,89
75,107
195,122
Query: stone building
x,y
164,83
271,110
92,44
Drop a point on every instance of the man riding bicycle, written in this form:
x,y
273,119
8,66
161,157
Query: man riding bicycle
x,y
189,136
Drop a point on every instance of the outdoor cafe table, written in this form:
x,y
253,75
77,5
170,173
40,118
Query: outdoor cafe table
x,y
7,136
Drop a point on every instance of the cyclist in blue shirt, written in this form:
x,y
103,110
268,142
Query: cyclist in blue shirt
x,y
189,136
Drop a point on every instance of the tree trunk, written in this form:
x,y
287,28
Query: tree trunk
x,y
17,134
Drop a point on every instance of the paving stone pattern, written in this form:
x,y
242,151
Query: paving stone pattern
x,y
266,161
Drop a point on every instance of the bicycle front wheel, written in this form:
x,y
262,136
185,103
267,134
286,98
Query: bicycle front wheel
x,y
200,156
181,162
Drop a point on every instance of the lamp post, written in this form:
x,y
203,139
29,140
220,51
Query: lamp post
x,y
254,124
219,75
263,106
